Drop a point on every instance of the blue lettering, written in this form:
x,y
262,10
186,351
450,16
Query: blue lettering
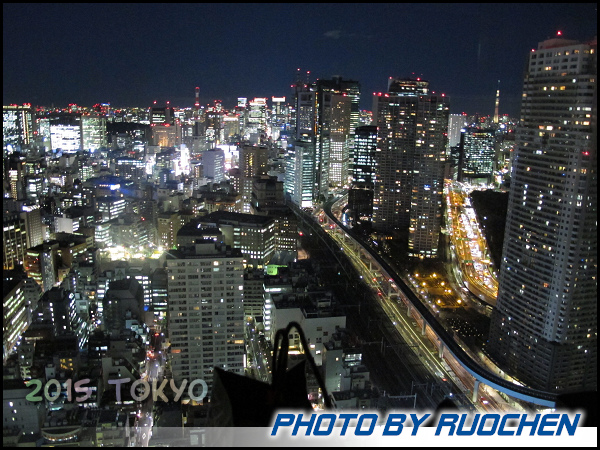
x,y
279,421
347,418
448,420
327,432
416,422
391,423
369,432
461,432
308,424
524,423
501,431
547,421
565,422
481,431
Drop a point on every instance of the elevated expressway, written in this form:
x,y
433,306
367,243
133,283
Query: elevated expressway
x,y
458,358
469,245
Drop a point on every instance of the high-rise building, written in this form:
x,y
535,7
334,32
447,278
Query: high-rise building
x,y
456,122
412,127
213,162
205,311
14,240
16,317
93,130
360,196
326,115
479,151
544,328
337,107
300,173
253,163
17,127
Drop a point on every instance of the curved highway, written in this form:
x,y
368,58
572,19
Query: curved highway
x,y
521,392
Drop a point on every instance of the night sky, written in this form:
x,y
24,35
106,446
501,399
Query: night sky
x,y
133,54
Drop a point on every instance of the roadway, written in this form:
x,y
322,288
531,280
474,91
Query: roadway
x,y
464,360
259,359
469,244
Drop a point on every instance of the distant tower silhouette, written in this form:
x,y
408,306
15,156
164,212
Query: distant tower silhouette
x,y
496,115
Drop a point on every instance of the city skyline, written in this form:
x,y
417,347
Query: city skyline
x,y
133,55
421,244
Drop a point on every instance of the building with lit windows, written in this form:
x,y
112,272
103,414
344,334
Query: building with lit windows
x,y
268,200
253,160
169,224
412,126
63,131
257,123
338,116
111,207
360,196
14,240
16,316
300,176
19,413
456,123
254,235
40,264
544,328
93,131
479,153
205,311
17,127
213,162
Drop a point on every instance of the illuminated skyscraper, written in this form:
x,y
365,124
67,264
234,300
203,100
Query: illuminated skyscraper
x,y
327,113
360,196
17,127
253,160
544,328
337,108
412,129
478,153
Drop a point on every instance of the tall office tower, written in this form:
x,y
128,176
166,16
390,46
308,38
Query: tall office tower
x,y
410,160
278,117
17,127
33,226
544,328
337,118
456,122
479,151
213,162
16,316
299,184
327,112
14,173
93,131
258,123
360,196
14,240
302,165
253,163
205,311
